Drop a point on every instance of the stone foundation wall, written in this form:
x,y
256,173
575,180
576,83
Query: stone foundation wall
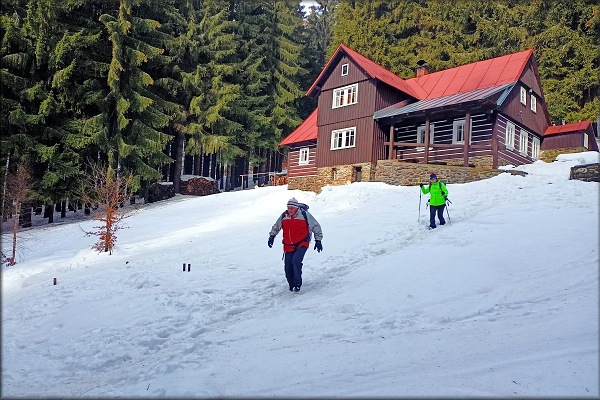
x,y
333,176
307,183
395,172
551,154
587,172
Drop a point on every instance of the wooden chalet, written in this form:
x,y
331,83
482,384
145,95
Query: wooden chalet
x,y
372,125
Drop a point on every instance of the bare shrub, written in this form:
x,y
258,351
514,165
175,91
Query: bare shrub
x,y
106,192
18,190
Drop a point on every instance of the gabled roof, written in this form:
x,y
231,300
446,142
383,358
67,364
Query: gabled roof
x,y
446,101
478,75
371,69
568,128
305,132
470,82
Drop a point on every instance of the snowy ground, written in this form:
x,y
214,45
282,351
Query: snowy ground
x,y
502,301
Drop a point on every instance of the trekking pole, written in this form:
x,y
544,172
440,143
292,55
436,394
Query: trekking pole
x,y
448,202
420,192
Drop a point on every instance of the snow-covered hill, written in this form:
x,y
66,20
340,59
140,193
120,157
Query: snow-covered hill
x,y
502,301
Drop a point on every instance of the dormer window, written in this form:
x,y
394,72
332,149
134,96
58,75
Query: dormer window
x,y
344,69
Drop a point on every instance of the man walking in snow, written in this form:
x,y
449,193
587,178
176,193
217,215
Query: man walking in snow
x,y
437,199
297,224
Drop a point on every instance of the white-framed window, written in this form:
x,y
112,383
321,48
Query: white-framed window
x,y
345,96
458,131
509,140
345,69
533,102
535,148
343,138
421,133
586,142
523,95
303,157
523,139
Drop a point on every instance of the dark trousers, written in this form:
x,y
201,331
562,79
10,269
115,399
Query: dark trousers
x,y
440,214
293,266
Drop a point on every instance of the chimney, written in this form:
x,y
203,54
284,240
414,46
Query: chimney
x,y
422,68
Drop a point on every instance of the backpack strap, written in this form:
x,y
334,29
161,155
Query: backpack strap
x,y
306,220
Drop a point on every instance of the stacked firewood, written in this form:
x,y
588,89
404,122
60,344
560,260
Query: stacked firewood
x,y
279,180
199,186
158,192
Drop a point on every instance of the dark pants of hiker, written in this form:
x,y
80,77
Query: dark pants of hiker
x,y
293,266
440,214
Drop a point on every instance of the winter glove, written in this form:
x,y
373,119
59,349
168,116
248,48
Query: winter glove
x,y
270,242
318,246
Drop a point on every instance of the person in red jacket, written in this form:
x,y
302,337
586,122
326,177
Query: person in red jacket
x,y
298,226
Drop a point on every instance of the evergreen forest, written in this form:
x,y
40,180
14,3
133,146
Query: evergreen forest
x,y
157,89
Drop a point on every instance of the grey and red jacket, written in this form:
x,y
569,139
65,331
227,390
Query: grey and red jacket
x,y
297,231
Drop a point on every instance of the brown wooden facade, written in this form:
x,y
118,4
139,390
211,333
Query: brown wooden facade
x,y
372,95
299,168
389,113
572,140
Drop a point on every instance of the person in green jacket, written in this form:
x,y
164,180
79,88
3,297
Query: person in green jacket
x,y
437,199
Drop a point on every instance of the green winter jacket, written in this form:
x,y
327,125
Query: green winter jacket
x,y
438,193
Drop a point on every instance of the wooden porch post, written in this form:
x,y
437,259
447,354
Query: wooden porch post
x,y
467,139
494,151
426,139
391,148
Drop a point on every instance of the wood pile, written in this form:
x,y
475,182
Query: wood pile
x,y
158,192
279,180
199,186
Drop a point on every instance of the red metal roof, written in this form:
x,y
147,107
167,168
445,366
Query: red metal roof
x,y
572,127
474,76
306,131
370,68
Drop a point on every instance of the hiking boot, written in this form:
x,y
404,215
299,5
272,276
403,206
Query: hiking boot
x,y
297,288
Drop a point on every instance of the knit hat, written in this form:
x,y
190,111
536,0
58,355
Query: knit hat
x,y
432,177
293,202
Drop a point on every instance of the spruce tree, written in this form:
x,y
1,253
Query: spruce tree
x,y
134,140
16,59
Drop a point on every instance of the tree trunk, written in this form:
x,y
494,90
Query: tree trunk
x,y
178,156
25,214
63,208
50,211
197,164
16,219
4,217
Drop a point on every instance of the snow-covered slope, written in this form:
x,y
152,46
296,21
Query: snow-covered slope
x,y
502,301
